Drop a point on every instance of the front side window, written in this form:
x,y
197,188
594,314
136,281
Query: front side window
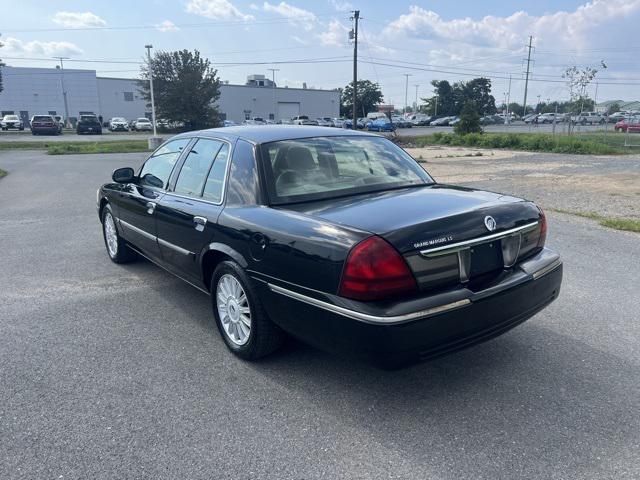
x,y
326,167
156,170
193,173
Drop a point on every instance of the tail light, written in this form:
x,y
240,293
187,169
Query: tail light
x,y
543,229
374,270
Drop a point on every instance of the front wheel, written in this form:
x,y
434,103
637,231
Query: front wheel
x,y
239,314
117,248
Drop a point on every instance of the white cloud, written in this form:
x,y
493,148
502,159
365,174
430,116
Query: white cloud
x,y
341,6
217,9
299,40
78,19
296,16
14,46
167,26
335,36
508,32
253,6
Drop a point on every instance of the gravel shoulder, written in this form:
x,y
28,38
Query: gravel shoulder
x,y
606,185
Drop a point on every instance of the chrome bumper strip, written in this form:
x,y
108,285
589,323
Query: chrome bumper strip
x,y
544,270
176,248
445,249
364,317
139,231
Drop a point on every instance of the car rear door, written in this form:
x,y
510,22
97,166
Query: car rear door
x,y
187,214
136,202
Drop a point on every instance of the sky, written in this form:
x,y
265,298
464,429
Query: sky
x,y
307,41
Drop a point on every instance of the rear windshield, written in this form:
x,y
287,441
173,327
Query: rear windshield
x,y
326,167
11,117
40,118
142,120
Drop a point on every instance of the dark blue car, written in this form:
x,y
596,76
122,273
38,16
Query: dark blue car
x,y
381,125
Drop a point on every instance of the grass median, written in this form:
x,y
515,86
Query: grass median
x,y
67,148
3,173
627,224
531,142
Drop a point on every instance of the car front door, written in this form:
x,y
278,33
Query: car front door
x,y
187,214
136,202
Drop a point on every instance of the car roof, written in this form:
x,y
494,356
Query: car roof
x,y
272,133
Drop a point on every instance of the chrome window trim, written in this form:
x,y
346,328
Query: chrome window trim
x,y
446,249
133,228
364,317
178,249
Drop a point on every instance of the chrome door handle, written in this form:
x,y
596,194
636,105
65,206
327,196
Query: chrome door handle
x,y
200,223
151,206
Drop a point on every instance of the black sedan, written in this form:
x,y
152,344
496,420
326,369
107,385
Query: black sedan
x,y
88,124
336,237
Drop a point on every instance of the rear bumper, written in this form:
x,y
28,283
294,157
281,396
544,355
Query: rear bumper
x,y
46,130
420,329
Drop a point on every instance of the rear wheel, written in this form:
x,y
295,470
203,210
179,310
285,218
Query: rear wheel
x,y
239,314
117,248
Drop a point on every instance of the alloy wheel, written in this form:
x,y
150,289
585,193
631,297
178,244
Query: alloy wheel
x,y
233,309
110,234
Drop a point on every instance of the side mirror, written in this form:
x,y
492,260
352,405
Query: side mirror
x,y
123,175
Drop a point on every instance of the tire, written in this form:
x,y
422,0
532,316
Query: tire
x,y
118,251
263,336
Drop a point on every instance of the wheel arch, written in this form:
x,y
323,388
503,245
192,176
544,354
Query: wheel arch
x,y
213,255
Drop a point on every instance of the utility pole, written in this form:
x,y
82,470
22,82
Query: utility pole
x,y
526,82
415,108
64,90
406,91
595,97
355,18
273,81
153,103
435,114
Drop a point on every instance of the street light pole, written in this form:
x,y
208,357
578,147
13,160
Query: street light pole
x,y
64,90
273,81
415,108
153,103
406,91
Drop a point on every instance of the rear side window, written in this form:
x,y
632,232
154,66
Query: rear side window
x,y
215,180
193,173
243,177
42,118
157,169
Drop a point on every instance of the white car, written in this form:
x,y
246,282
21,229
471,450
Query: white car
x,y
118,123
588,117
338,122
141,124
323,122
11,121
303,120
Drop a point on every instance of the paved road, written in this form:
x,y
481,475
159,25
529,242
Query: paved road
x,y
116,372
70,135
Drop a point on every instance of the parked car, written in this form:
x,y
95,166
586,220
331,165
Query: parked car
x,y
590,118
420,120
303,120
531,118
615,117
634,127
118,124
441,122
324,123
44,125
11,121
142,124
404,268
88,124
59,120
381,125
626,123
337,122
228,123
401,122
454,122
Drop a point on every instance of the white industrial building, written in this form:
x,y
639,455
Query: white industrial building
x,y
32,91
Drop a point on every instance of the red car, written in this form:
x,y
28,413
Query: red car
x,y
633,125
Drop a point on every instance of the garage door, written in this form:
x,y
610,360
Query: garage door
x,y
288,110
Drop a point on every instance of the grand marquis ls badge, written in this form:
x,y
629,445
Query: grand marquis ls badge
x,y
490,223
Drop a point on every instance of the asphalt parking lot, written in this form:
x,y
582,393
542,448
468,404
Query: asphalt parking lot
x,y
112,371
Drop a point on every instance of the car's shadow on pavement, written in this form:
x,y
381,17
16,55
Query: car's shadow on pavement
x,y
532,393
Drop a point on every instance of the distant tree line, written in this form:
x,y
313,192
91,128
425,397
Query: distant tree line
x,y
585,104
451,99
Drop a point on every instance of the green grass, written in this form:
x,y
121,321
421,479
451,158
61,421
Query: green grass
x,y
627,224
116,146
3,173
532,142
65,148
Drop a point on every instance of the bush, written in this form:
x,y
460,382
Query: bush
x,y
535,142
469,121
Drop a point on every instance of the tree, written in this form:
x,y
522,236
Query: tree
x,y
442,103
578,80
451,99
613,108
369,95
469,120
185,88
1,65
